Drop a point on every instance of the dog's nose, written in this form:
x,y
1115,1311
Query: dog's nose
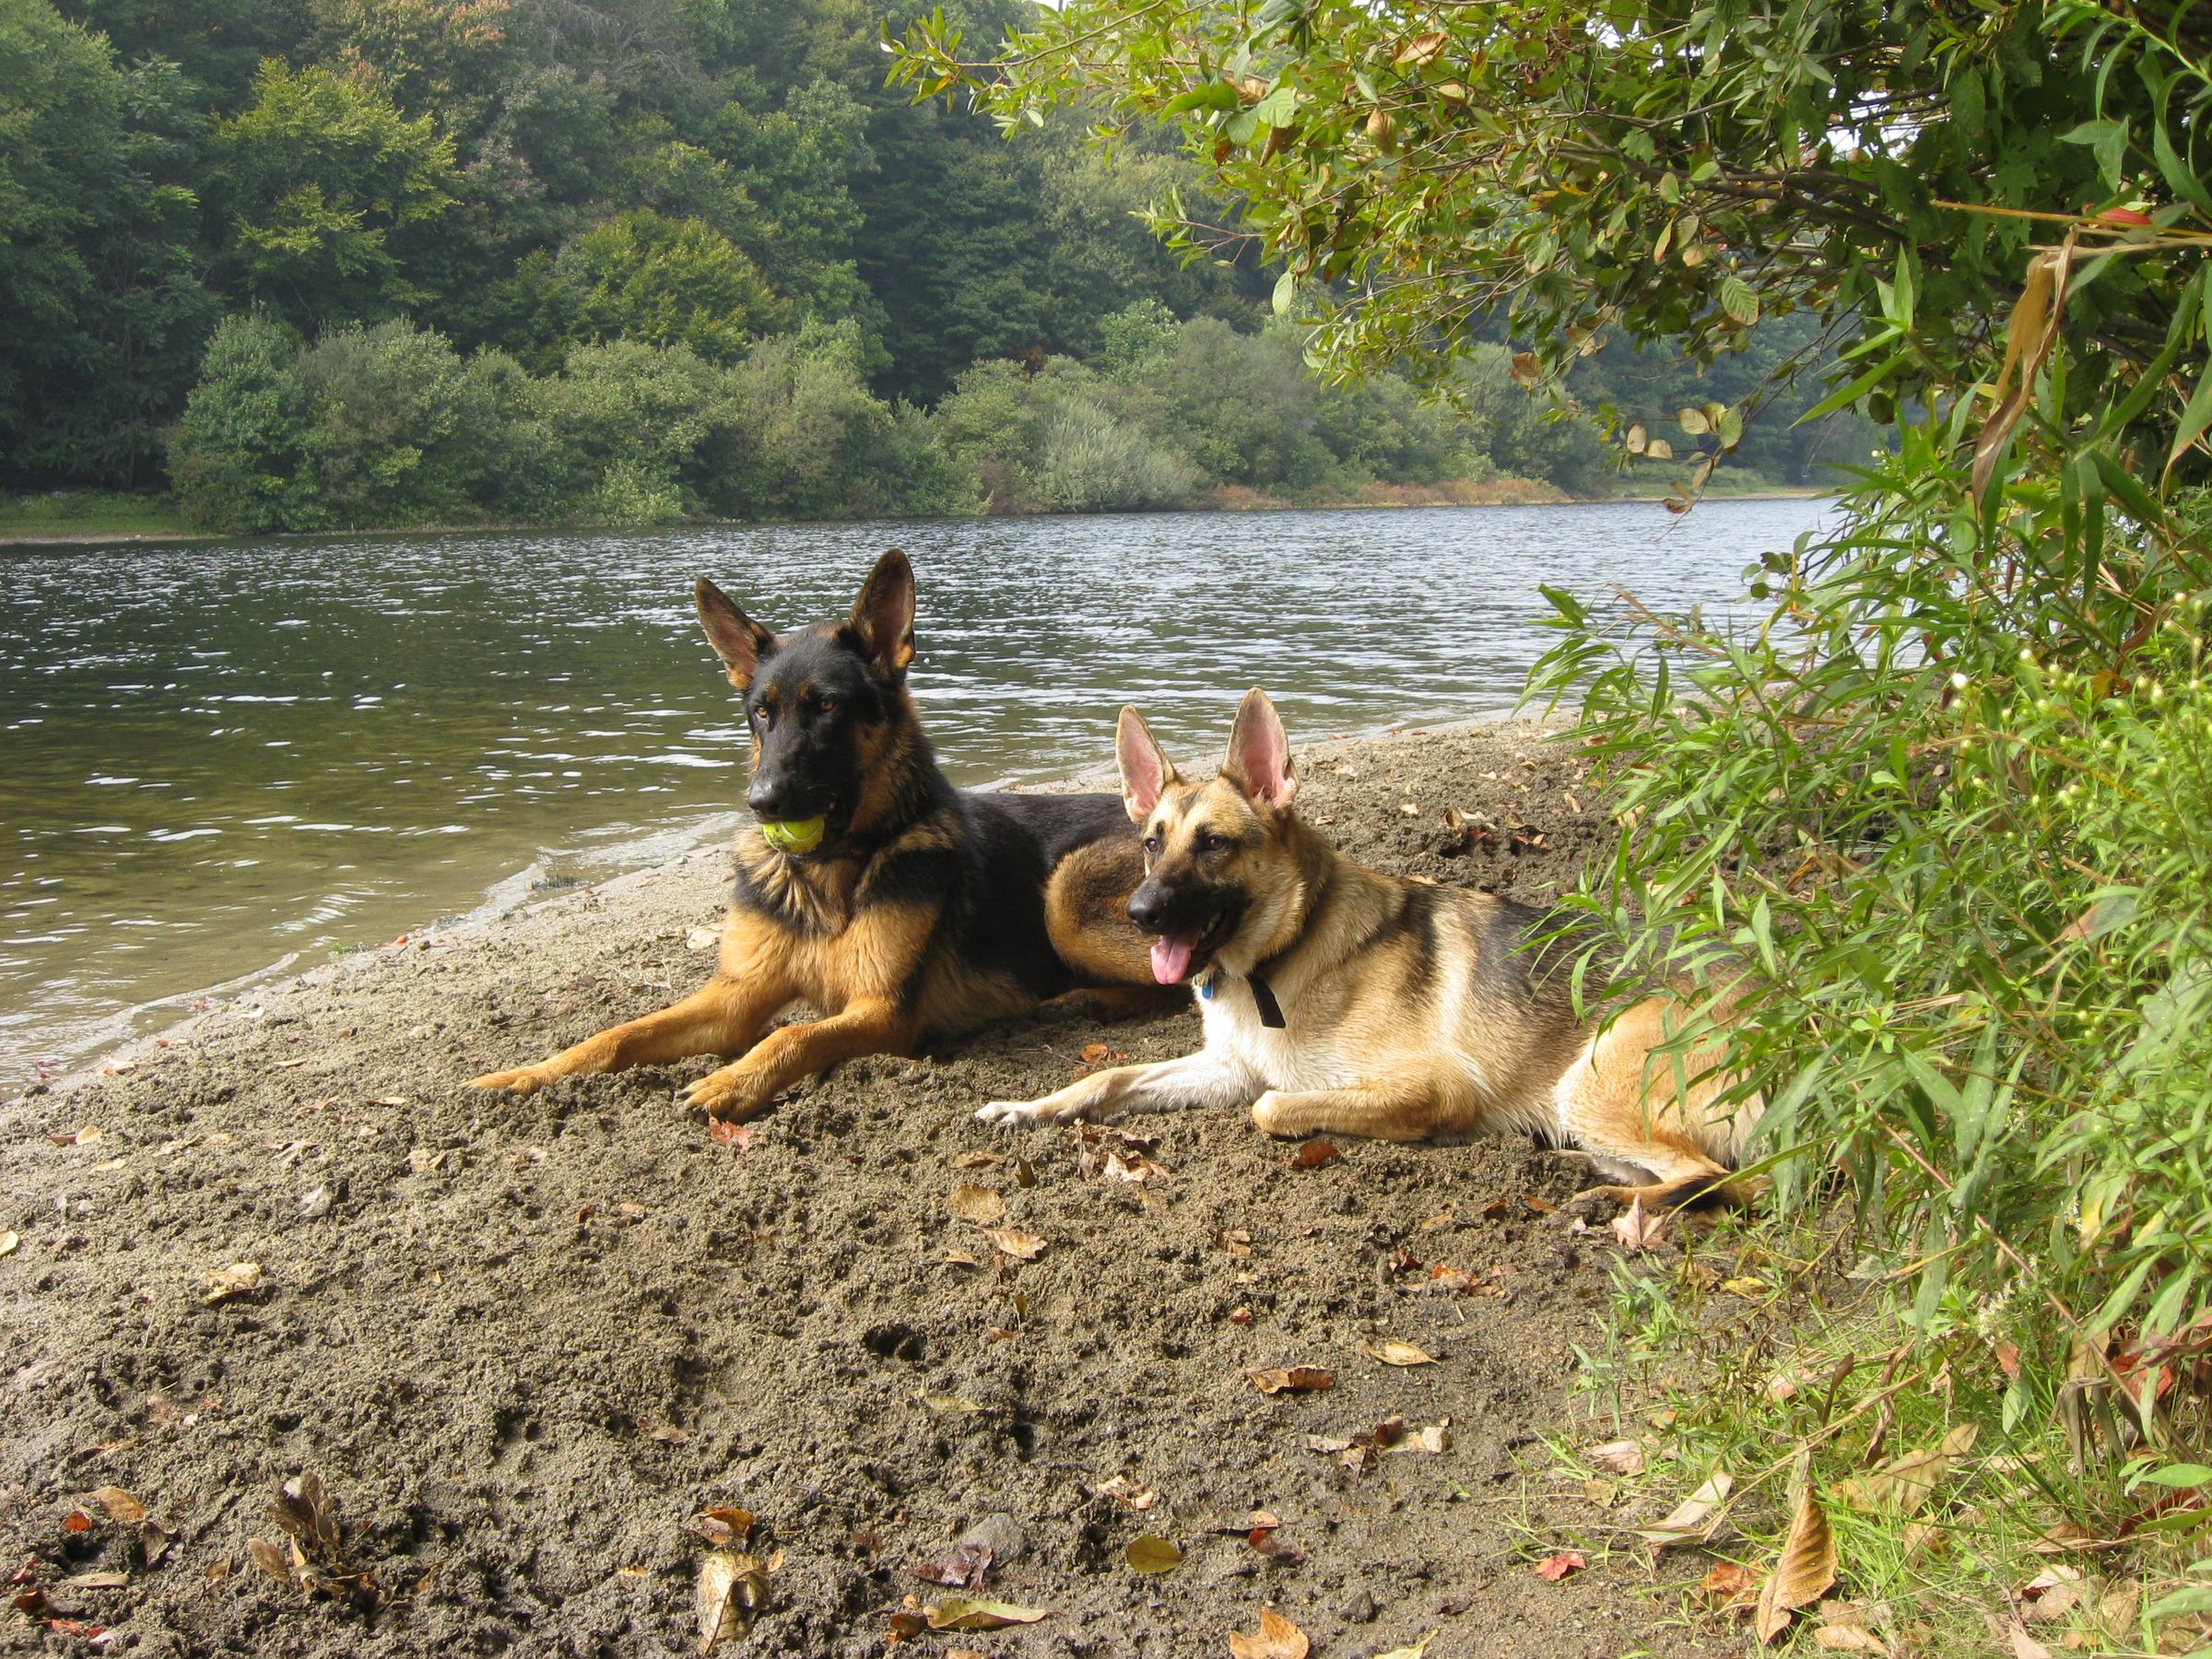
x,y
771,800
1151,909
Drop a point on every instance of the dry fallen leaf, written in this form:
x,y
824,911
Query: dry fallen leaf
x,y
1905,1484
1021,1246
120,1504
700,938
76,1521
1842,1629
731,1587
95,1581
1295,1379
1555,1567
1804,1573
977,1204
1419,1649
1639,1228
1393,1352
739,1135
240,1279
1616,1457
1696,1520
1314,1153
974,1613
952,1405
1276,1637
1730,1584
977,1160
8,1240
723,1524
1152,1554
1121,1491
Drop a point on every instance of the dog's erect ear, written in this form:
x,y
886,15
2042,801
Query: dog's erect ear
x,y
738,639
1145,772
1258,762
883,616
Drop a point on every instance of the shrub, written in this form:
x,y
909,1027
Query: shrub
x,y
399,431
1089,461
234,456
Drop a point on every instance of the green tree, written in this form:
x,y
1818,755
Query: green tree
x,y
235,456
667,282
325,190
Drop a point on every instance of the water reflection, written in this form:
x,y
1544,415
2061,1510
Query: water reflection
x,y
220,753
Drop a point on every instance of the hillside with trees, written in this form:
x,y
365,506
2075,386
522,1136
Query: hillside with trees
x,y
332,264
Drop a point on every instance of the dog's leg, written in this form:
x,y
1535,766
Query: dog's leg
x,y
1381,1111
720,1017
1118,1002
1639,1112
791,1051
1204,1078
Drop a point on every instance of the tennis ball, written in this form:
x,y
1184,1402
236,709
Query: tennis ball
x,y
798,835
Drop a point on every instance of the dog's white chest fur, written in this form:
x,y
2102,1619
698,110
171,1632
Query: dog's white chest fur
x,y
1276,1057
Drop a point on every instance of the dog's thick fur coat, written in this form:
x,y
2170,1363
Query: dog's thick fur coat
x,y
1339,1000
924,913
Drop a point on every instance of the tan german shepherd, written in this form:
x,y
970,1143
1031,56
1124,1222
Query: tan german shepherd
x,y
1336,999
903,911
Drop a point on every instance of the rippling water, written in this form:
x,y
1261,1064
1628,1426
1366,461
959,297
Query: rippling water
x,y
220,754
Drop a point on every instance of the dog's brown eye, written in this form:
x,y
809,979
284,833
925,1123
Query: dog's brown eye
x,y
1210,843
763,717
827,705
1151,843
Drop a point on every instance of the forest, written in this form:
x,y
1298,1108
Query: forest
x,y
306,265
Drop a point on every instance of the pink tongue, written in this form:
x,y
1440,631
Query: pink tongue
x,y
1172,958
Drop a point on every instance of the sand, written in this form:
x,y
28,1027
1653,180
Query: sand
x,y
524,1342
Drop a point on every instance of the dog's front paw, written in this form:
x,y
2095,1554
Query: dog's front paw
x,y
728,1095
522,1080
1023,1113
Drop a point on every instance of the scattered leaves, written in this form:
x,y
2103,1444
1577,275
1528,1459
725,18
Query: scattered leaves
x,y
316,1564
1152,1554
1276,1637
1295,1379
980,1205
1553,1568
221,1284
974,1613
1804,1573
1905,1484
1391,1352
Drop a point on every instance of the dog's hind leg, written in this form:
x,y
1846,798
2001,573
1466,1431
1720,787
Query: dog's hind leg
x,y
1118,1002
720,1017
1640,1110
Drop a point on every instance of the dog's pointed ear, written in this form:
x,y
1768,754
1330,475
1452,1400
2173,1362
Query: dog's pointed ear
x,y
883,616
1258,762
1145,772
738,639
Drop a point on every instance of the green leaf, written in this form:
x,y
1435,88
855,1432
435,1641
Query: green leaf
x,y
1285,289
2107,140
1738,300
2177,1475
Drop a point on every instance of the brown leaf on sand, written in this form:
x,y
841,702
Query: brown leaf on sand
x,y
977,1204
1021,1246
1276,1637
731,1587
977,1160
1555,1567
76,1521
1729,1585
1152,1554
1394,1352
1295,1379
1697,1518
8,1240
1314,1153
1804,1573
974,1613
1121,1491
1842,1629
1616,1457
739,1135
221,1284
723,1524
120,1504
1639,1228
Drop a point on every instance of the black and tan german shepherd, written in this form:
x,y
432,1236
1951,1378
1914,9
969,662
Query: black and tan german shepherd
x,y
1338,999
915,912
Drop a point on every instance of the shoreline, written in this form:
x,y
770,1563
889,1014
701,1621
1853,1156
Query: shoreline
x,y
520,1341
1496,492
124,1034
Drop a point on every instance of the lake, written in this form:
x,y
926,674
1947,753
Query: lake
x,y
221,756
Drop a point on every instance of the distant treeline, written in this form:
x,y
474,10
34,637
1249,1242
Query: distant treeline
x,y
321,263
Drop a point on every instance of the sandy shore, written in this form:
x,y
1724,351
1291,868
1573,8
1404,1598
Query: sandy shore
x,y
523,1343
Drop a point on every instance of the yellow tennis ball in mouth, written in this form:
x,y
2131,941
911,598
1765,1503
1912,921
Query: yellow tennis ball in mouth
x,y
797,835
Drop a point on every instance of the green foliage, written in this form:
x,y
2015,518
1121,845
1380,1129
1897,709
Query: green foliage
x,y
400,429
666,282
325,187
235,456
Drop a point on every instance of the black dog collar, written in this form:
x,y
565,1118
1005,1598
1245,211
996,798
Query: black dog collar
x,y
1271,1011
